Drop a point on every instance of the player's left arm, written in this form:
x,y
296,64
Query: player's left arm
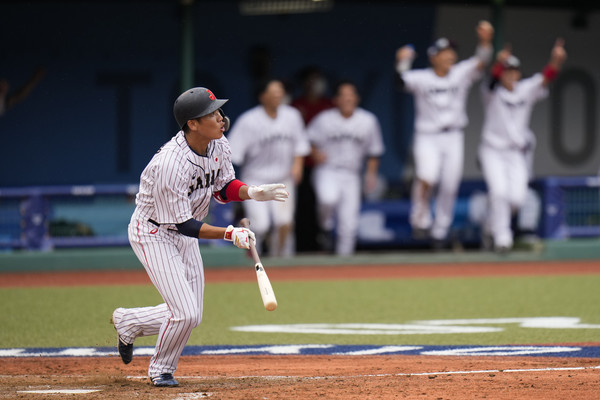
x,y
297,169
301,148
557,59
236,190
374,153
485,49
371,172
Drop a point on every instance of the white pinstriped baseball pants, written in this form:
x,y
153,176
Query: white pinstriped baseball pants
x,y
174,265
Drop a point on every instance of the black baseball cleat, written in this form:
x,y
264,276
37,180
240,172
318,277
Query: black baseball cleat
x,y
164,380
125,350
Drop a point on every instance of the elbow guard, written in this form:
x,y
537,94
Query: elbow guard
x,y
190,228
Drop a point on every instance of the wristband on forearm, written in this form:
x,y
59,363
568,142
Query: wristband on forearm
x,y
497,70
230,192
550,72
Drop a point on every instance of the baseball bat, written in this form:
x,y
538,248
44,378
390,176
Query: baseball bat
x,y
264,285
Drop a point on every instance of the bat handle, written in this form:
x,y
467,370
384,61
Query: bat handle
x,y
245,222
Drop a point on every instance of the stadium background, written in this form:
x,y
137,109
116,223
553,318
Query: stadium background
x,y
114,68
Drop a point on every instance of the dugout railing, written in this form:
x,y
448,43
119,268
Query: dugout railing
x,y
97,215
48,217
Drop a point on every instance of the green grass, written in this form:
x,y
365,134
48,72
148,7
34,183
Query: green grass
x,y
79,316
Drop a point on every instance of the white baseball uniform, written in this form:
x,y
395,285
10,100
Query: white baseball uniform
x,y
176,185
438,147
503,152
346,142
265,148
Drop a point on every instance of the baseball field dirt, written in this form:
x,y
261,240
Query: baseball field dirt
x,y
308,376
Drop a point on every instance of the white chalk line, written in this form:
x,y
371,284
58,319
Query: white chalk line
x,y
283,377
60,391
484,371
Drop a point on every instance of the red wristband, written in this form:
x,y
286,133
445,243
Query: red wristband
x,y
231,192
550,72
497,70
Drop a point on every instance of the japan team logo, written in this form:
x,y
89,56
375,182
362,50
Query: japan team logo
x,y
211,95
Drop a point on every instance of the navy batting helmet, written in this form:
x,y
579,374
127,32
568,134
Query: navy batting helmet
x,y
195,103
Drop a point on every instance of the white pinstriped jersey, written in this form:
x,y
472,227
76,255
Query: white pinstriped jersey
x,y
440,102
346,141
266,146
178,184
508,113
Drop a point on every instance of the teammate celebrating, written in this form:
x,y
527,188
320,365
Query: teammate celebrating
x,y
269,142
174,195
507,141
440,100
342,138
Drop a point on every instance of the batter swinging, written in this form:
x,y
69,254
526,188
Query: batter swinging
x,y
174,196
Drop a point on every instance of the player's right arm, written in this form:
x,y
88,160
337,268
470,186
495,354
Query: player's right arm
x,y
498,67
240,237
405,57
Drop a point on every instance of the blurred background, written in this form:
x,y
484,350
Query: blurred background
x,y
96,81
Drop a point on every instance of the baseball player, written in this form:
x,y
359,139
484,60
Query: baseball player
x,y
175,191
505,151
269,142
440,94
342,137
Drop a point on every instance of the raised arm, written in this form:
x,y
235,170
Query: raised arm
x,y
557,59
485,50
499,65
405,56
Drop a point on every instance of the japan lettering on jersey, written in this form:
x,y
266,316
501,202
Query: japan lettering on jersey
x,y
508,113
440,102
346,141
178,184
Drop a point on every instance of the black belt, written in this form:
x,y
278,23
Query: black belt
x,y
153,222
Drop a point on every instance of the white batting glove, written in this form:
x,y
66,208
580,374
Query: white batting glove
x,y
240,237
271,191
